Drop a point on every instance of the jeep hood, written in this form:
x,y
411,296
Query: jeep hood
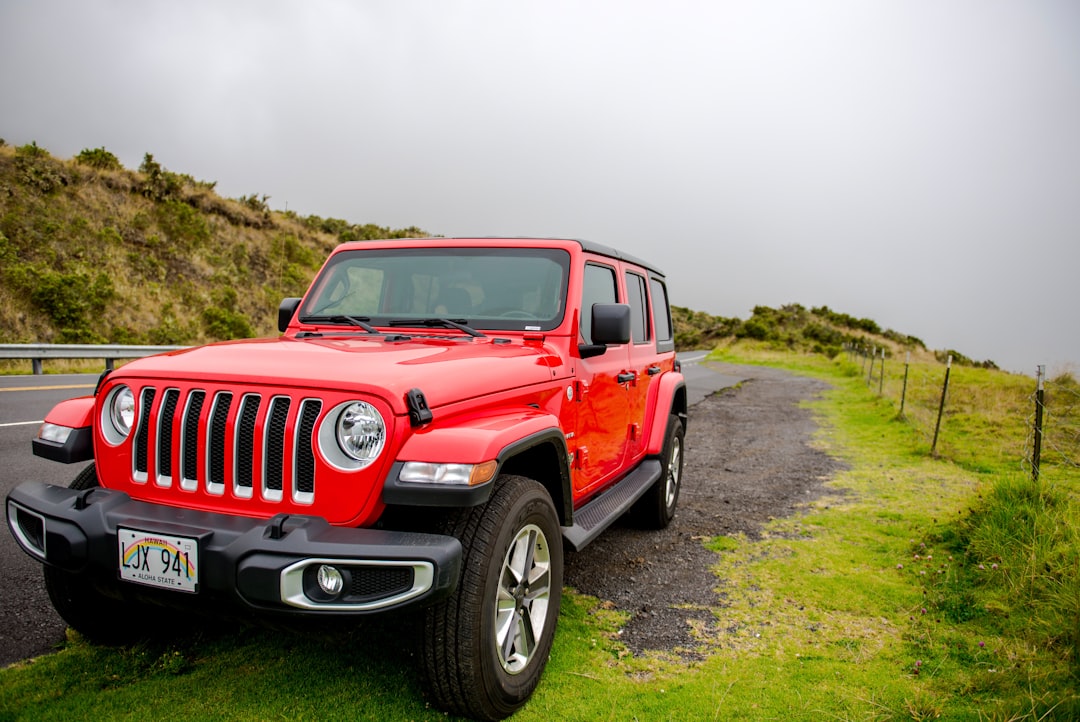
x,y
447,369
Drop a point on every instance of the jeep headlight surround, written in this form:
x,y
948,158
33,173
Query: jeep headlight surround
x,y
118,414
352,435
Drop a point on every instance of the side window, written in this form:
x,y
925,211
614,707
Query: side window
x,y
639,310
599,287
661,316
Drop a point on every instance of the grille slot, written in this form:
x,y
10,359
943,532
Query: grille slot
x,y
165,437
244,453
219,415
273,470
305,459
142,433
189,442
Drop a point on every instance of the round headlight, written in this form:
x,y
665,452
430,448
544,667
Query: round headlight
x,y
122,410
361,432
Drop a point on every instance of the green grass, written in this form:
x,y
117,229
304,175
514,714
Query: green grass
x,y
917,588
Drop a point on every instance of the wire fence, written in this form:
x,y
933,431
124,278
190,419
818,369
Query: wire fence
x,y
1054,424
973,416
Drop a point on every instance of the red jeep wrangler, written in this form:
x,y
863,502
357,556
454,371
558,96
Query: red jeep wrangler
x,y
438,418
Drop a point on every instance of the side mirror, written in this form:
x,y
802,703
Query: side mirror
x,y
610,323
610,327
285,312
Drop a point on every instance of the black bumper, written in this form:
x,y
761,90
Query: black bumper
x,y
263,564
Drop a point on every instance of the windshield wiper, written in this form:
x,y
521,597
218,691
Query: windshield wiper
x,y
439,323
361,321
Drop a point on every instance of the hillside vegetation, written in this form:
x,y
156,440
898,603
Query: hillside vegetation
x,y
91,252
794,328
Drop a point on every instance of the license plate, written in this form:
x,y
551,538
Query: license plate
x,y
159,560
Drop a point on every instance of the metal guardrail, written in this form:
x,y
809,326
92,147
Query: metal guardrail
x,y
38,352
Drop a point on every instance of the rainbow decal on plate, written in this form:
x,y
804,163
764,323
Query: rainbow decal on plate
x,y
159,560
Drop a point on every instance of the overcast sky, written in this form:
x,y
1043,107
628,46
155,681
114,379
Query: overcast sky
x,y
914,162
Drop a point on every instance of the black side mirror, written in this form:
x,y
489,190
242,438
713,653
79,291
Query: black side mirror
x,y
285,312
610,327
610,323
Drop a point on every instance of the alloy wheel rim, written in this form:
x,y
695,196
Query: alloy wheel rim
x,y
522,598
673,470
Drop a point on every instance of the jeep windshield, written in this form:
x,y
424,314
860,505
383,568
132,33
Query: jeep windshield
x,y
507,289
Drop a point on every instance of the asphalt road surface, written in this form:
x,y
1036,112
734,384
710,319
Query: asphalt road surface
x,y
28,625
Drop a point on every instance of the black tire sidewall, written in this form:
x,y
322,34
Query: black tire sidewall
x,y
675,433
531,507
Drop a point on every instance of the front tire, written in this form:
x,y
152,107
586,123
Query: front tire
x,y
484,649
79,601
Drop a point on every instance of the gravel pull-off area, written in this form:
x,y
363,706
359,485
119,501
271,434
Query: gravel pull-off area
x,y
748,458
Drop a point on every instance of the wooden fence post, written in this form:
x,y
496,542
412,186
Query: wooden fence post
x,y
941,407
903,391
881,376
1036,452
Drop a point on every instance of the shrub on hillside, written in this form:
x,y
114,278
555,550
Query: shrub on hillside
x,y
159,184
222,321
72,301
185,227
961,360
98,158
38,170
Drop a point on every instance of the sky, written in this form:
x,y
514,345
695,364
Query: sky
x,y
916,162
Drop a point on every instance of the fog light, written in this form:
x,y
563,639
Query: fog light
x,y
330,580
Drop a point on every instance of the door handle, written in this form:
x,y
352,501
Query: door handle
x,y
653,370
626,377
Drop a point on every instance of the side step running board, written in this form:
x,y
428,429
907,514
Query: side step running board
x,y
598,514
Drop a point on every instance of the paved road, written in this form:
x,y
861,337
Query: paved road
x,y
28,624
701,380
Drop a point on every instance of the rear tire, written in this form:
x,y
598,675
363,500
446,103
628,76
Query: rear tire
x,y
656,508
78,599
484,649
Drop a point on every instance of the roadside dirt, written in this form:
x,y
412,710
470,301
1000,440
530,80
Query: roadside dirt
x,y
748,459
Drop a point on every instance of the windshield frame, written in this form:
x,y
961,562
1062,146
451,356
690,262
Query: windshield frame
x,y
408,282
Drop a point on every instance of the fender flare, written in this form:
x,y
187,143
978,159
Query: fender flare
x,y
670,396
501,436
76,414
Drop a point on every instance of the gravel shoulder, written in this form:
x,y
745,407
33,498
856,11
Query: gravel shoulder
x,y
748,459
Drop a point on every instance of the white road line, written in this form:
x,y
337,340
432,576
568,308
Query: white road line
x,y
694,359
21,423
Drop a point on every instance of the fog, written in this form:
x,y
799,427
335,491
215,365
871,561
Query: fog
x,y
917,163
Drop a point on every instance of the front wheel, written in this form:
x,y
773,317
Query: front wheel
x,y
484,649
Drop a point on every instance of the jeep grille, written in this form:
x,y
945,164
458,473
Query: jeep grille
x,y
245,440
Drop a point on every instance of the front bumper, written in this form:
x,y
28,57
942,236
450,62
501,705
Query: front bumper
x,y
260,564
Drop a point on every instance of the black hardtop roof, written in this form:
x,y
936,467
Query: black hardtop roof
x,y
588,246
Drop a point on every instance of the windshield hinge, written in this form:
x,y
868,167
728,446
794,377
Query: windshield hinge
x,y
419,413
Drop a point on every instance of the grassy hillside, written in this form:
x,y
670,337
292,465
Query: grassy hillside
x,y
91,252
794,328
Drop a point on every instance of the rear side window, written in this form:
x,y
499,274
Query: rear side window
x,y
661,316
639,308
